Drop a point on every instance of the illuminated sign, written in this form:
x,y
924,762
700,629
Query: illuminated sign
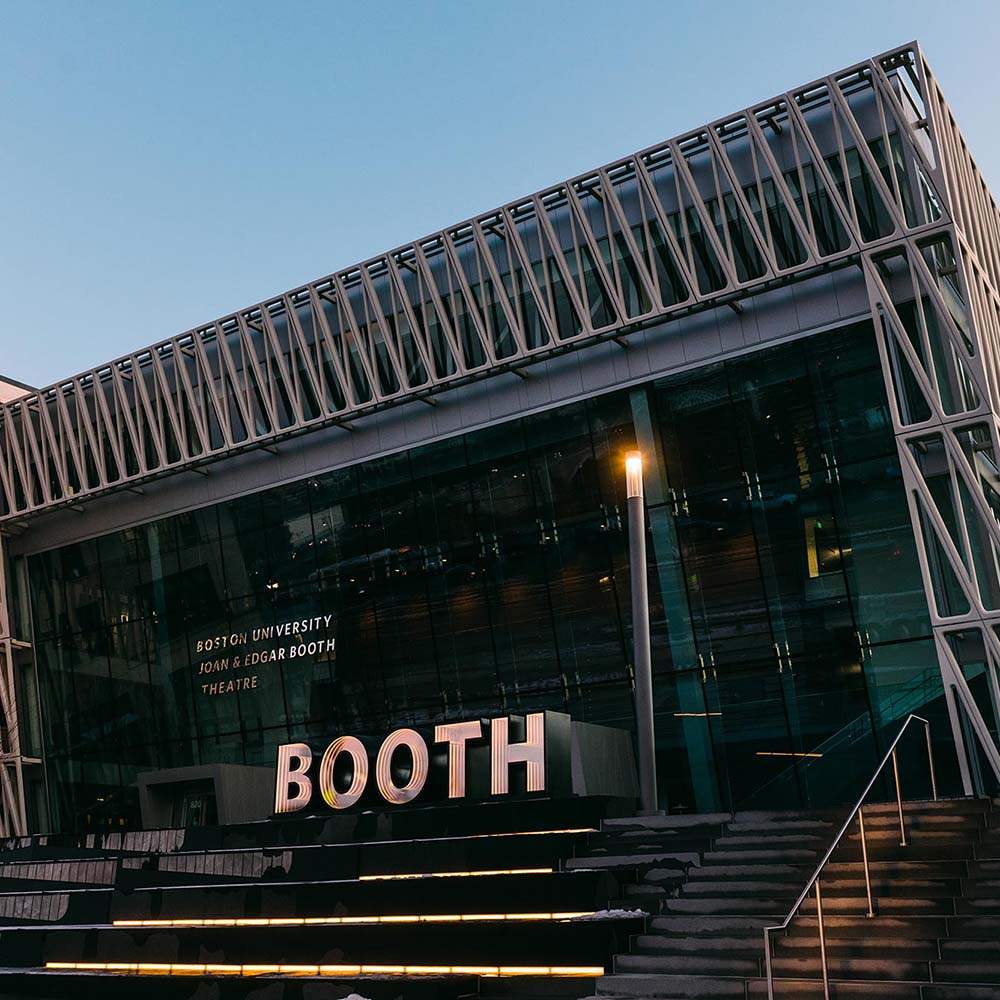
x,y
231,662
478,759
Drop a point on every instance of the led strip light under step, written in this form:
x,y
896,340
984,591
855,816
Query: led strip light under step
x,y
424,918
184,969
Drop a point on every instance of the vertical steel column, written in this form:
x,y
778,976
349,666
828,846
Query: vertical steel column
x,y
12,811
641,654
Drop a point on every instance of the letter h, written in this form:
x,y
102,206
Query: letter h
x,y
531,752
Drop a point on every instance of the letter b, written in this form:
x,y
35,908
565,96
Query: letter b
x,y
288,775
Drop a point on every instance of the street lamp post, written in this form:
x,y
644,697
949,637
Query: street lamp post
x,y
641,654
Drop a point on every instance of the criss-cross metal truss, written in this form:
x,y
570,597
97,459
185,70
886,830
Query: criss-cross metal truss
x,y
767,195
864,168
936,308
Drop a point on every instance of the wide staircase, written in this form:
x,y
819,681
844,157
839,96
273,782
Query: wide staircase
x,y
935,936
444,903
547,899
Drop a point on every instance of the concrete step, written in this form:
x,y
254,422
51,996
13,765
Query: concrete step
x,y
985,852
832,888
661,859
806,824
895,887
774,908
881,928
697,965
695,925
731,888
666,876
770,842
916,836
967,972
902,868
915,949
962,822
647,890
890,850
779,872
650,903
887,905
643,843
751,946
979,888
844,905
875,969
812,989
694,822
723,988
804,989
957,950
974,928
746,946
964,992
763,856
925,806
675,988
984,869
802,870
977,905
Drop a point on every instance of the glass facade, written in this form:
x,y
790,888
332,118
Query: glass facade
x,y
488,573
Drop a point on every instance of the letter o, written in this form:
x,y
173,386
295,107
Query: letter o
x,y
391,792
353,746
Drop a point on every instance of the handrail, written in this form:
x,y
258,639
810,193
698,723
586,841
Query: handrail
x,y
890,754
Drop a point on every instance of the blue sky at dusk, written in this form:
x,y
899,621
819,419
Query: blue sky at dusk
x,y
164,164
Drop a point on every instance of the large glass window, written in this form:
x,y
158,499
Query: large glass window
x,y
489,572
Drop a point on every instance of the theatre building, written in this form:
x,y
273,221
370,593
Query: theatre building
x,y
318,660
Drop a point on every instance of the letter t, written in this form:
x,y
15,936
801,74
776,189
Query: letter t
x,y
456,734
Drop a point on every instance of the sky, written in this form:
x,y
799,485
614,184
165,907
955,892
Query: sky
x,y
164,164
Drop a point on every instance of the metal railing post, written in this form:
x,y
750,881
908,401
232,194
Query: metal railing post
x,y
930,760
822,942
864,858
899,801
767,963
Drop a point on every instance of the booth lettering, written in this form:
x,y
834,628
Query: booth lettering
x,y
474,759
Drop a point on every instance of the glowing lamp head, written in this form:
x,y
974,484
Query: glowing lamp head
x,y
633,474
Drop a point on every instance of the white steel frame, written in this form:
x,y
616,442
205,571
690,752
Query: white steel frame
x,y
556,270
